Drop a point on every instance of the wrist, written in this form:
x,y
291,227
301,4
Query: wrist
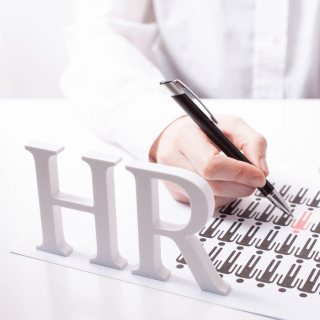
x,y
154,148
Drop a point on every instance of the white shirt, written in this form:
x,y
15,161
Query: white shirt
x,y
120,50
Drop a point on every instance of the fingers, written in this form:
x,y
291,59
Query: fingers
x,y
180,195
220,189
230,189
211,165
219,201
252,143
226,189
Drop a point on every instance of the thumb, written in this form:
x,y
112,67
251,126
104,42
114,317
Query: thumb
x,y
255,150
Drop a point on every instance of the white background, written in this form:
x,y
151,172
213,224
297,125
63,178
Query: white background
x,y
32,51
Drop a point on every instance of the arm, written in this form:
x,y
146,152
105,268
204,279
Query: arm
x,y
113,82
112,79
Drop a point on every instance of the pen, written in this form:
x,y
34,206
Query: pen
x,y
198,112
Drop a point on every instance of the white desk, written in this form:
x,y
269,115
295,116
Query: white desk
x,y
31,289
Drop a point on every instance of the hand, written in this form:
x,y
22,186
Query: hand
x,y
183,144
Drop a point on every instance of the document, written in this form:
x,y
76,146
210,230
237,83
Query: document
x,y
271,260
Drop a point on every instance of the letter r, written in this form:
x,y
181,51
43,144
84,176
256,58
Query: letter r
x,y
150,227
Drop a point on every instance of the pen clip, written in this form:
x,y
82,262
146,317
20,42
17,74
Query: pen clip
x,y
185,88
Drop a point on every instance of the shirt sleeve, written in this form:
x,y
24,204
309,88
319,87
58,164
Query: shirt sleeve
x,y
112,79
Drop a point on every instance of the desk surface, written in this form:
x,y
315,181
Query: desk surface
x,y
31,289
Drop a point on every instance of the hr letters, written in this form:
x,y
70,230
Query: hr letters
x,y
150,226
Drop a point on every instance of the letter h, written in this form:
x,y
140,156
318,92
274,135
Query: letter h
x,y
102,207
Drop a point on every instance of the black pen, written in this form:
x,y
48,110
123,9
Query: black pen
x,y
207,122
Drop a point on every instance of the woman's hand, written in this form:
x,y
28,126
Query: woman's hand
x,y
183,144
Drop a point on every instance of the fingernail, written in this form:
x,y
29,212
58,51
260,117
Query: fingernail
x,y
256,181
264,166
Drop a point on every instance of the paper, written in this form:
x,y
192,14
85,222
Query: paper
x,y
272,261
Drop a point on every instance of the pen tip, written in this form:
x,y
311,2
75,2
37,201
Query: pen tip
x,y
277,200
288,212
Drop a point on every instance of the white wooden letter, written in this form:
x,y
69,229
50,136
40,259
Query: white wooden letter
x,y
102,207
150,227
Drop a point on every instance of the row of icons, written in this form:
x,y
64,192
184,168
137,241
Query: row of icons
x,y
288,280
267,276
298,198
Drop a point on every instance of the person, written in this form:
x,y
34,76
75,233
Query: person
x,y
121,50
